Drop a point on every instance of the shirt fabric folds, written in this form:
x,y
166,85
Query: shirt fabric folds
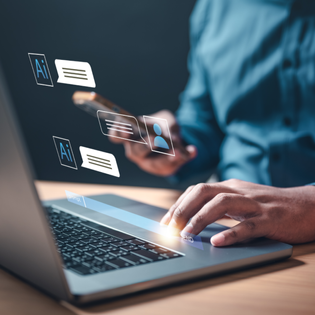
x,y
249,104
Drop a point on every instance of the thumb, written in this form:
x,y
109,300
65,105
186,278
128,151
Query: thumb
x,y
185,154
192,152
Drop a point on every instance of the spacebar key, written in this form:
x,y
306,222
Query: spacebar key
x,y
147,255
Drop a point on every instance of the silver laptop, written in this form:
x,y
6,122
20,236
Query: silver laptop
x,y
85,248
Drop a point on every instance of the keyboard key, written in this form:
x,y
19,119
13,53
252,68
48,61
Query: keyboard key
x,y
82,258
76,253
130,248
159,250
104,248
83,237
171,255
147,246
118,253
103,239
86,258
136,242
94,252
92,241
67,249
85,249
105,257
134,259
66,256
110,239
75,233
108,248
147,255
66,230
63,237
88,264
103,268
120,243
71,264
77,229
99,244
109,231
82,270
119,263
82,246
71,241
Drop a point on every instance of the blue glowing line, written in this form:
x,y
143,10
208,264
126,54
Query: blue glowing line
x,y
129,217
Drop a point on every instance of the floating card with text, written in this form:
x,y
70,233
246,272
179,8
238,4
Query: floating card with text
x,y
99,161
127,127
75,73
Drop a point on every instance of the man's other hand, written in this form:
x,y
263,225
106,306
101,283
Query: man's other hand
x,y
155,163
282,214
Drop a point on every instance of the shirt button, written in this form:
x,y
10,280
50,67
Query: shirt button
x,y
287,121
276,157
287,63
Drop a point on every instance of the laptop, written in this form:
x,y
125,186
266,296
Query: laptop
x,y
81,248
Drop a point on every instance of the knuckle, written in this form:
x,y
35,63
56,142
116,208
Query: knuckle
x,y
199,219
190,187
224,198
233,182
276,213
179,213
233,234
201,188
250,225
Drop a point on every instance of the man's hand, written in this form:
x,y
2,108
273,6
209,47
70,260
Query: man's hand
x,y
282,214
154,163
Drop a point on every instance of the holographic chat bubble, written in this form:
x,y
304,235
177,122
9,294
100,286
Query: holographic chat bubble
x,y
99,161
75,198
75,73
127,127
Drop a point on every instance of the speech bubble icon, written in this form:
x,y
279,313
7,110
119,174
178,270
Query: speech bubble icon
x,y
125,127
75,73
99,161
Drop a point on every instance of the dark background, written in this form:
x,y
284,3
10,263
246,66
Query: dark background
x,y
137,50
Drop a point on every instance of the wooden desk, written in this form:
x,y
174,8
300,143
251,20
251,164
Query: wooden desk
x,y
286,287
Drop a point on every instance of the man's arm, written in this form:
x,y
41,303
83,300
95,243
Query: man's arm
x,y
282,214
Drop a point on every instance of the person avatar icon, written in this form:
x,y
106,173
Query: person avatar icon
x,y
158,140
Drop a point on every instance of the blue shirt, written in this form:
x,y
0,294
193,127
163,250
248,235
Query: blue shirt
x,y
249,104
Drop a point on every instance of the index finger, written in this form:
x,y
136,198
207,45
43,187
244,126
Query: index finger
x,y
193,202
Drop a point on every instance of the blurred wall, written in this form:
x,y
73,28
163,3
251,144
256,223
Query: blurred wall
x,y
138,52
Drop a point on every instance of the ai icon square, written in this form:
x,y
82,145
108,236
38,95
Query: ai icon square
x,y
65,153
40,69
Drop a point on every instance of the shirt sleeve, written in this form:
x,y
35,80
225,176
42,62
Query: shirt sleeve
x,y
195,115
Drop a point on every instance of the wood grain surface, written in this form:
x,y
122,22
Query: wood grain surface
x,y
286,287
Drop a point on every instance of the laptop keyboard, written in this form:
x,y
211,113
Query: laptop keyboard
x,y
89,248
